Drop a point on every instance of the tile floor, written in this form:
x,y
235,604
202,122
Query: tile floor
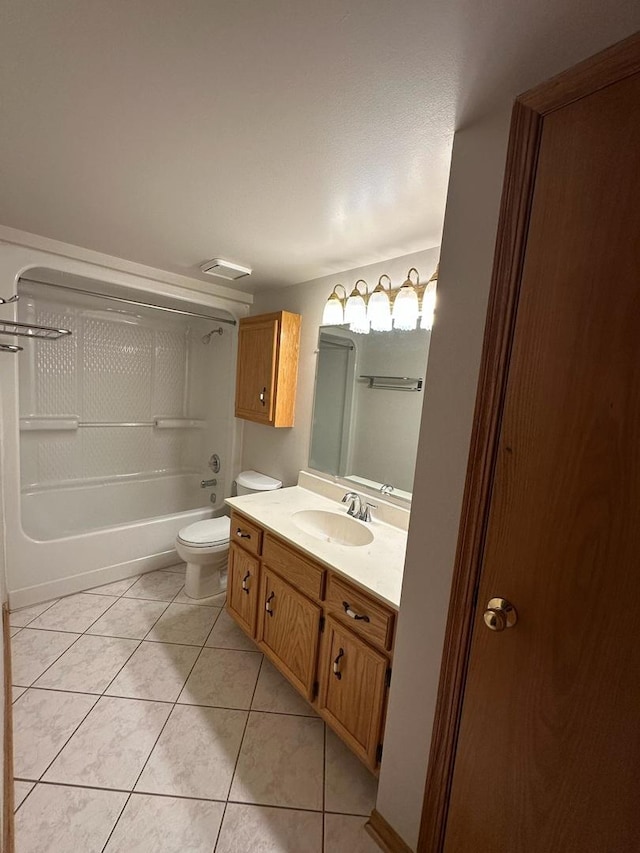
x,y
145,723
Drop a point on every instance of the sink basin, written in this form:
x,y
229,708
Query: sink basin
x,y
338,528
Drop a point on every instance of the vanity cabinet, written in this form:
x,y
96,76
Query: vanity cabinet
x,y
330,638
289,631
353,681
267,368
243,587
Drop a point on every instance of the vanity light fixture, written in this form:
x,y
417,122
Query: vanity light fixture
x,y
406,304
429,301
355,310
333,314
379,308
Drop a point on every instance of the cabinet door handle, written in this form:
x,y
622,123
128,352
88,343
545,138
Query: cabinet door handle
x,y
245,588
241,534
336,665
268,602
352,613
263,396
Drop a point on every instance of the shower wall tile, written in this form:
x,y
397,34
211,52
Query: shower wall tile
x,y
116,368
57,457
170,373
55,366
114,450
117,371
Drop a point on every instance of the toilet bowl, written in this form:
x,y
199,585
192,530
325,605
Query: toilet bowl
x,y
204,545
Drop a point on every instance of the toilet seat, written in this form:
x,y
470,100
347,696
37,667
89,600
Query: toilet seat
x,y
206,534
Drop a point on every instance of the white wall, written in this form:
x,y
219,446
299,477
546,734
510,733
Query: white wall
x,y
465,271
282,453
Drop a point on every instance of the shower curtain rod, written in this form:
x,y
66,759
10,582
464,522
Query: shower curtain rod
x,y
133,302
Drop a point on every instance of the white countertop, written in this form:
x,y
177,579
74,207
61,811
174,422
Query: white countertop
x,y
377,567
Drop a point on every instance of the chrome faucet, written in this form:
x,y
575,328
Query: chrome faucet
x,y
206,484
357,508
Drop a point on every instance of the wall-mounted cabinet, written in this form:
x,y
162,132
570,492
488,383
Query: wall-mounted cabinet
x,y
267,374
329,638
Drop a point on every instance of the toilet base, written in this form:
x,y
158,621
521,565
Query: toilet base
x,y
204,581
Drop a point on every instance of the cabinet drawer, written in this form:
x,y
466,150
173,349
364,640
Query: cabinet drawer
x,y
302,573
365,616
246,534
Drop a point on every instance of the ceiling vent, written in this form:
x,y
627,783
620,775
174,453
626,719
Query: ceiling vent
x,y
225,269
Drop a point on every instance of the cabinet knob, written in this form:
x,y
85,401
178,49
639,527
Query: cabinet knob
x,y
241,534
352,613
268,602
245,588
336,665
263,396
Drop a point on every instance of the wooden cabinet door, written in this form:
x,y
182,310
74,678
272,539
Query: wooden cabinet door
x,y
289,631
352,690
243,588
255,381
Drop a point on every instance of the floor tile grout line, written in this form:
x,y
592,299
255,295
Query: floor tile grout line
x,y
117,821
235,766
51,664
48,767
27,795
175,796
48,607
173,705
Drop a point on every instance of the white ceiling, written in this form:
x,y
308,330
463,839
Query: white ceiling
x,y
300,137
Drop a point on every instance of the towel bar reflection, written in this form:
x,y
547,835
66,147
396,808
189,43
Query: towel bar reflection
x,y
393,383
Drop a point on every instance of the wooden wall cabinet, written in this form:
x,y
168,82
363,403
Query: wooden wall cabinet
x,y
329,638
267,370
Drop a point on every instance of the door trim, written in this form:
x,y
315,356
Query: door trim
x,y
605,68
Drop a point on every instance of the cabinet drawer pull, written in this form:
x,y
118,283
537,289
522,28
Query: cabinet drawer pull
x,y
268,602
336,665
263,396
241,534
352,613
245,588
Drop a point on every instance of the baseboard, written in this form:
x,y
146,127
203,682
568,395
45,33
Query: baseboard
x,y
385,835
8,839
87,580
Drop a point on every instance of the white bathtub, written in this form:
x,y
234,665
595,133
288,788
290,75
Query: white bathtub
x,y
54,513
83,536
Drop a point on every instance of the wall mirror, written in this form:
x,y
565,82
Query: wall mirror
x,y
367,406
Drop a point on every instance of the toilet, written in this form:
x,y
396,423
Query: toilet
x,y
204,545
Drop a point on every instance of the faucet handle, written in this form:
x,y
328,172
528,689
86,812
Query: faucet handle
x,y
365,515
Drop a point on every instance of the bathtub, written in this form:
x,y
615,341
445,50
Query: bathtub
x,y
72,538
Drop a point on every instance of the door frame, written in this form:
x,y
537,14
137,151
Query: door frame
x,y
605,68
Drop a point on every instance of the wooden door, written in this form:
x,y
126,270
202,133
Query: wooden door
x,y
243,588
255,384
352,690
289,630
546,747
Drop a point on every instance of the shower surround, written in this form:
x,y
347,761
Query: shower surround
x,y
113,428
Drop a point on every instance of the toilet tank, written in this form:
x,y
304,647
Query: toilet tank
x,y
249,482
